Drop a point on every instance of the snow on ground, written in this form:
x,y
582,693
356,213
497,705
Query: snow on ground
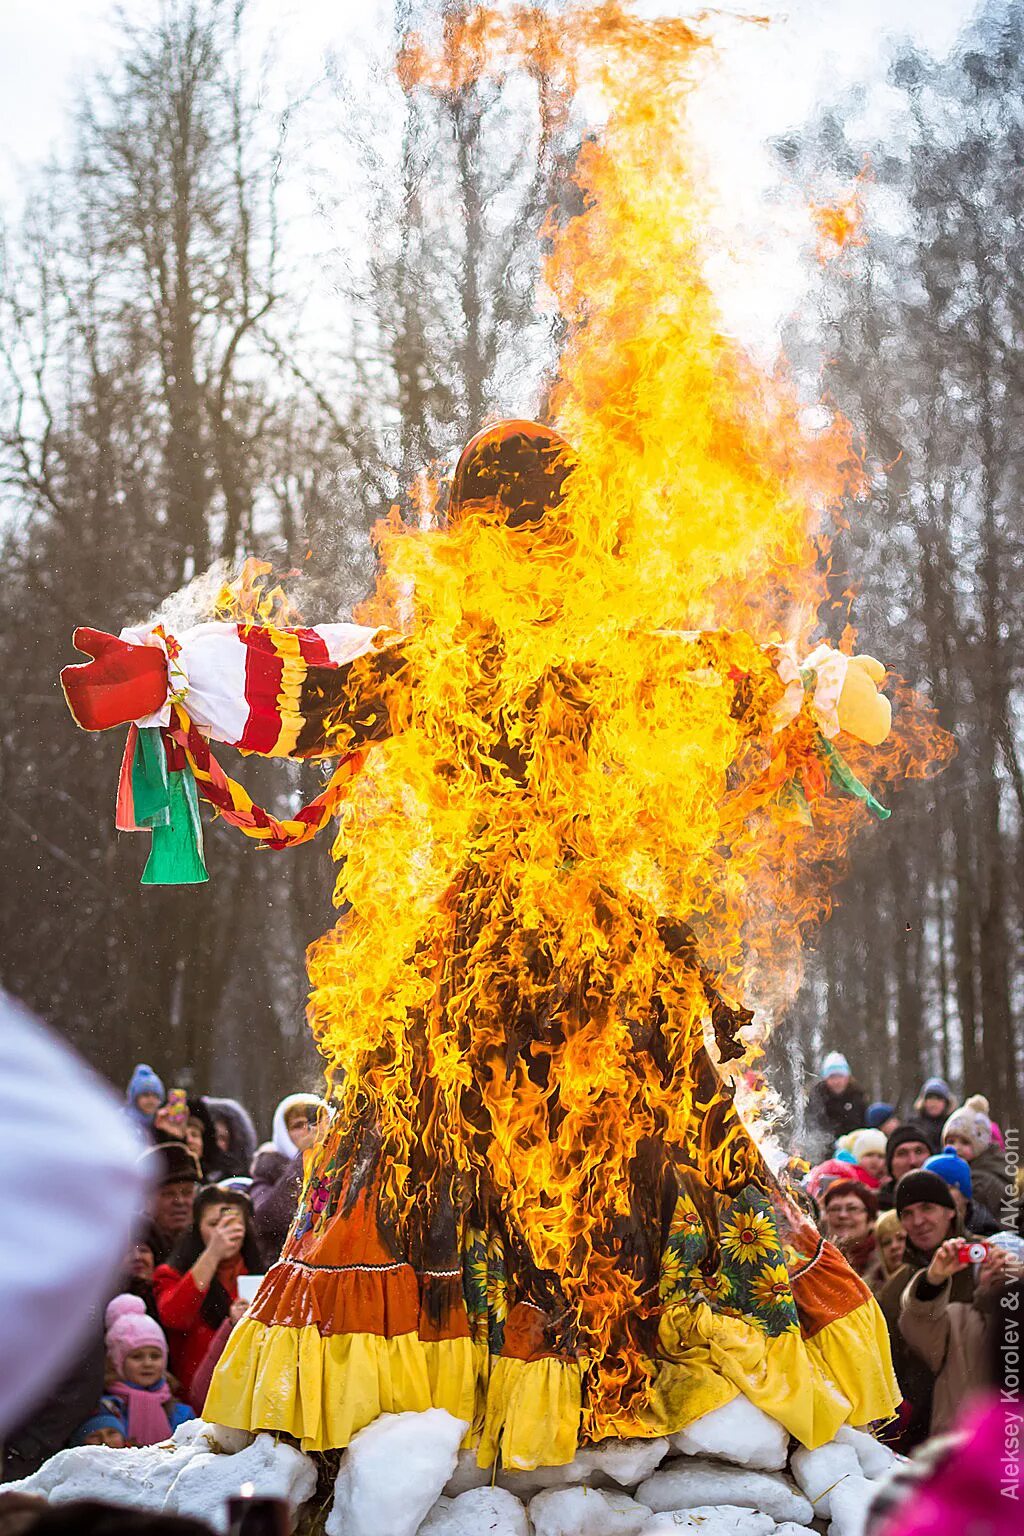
x,y
405,1475
194,1473
714,1520
692,1481
737,1432
476,1512
567,1511
393,1473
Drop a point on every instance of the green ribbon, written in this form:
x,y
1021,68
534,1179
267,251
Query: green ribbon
x,y
168,804
843,776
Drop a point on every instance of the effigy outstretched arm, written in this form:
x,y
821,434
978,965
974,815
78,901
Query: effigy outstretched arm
x,y
277,692
799,708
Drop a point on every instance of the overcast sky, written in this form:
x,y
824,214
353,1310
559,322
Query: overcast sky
x,y
767,79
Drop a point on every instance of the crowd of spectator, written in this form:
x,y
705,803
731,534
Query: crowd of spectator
x,y
219,1210
927,1210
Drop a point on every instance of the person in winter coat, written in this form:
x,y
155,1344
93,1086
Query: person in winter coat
x,y
195,1289
932,1107
104,1427
137,1352
969,1132
928,1215
868,1147
882,1117
143,1098
972,1479
905,1150
835,1105
890,1242
277,1171
849,1213
201,1137
139,1265
234,1137
173,1174
948,1328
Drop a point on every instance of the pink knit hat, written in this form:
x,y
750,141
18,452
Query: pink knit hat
x,y
129,1327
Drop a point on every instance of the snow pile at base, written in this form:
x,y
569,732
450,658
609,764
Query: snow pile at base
x,y
393,1472
737,1432
731,1473
194,1473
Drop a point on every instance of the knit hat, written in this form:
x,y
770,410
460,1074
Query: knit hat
x,y
954,1169
144,1080
104,1418
170,1163
867,1141
935,1085
922,1187
129,1326
834,1062
970,1121
852,1187
844,1155
901,1135
879,1113
823,1173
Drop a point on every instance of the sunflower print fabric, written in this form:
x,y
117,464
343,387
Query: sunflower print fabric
x,y
750,1278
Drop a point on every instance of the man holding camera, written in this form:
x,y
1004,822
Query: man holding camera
x,y
944,1310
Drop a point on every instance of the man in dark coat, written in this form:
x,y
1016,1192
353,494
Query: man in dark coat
x,y
928,1216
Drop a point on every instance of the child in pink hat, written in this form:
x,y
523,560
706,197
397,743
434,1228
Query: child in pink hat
x,y
137,1352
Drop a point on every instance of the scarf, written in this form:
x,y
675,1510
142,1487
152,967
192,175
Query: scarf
x,y
148,1423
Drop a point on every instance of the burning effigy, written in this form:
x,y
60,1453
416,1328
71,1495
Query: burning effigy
x,y
591,758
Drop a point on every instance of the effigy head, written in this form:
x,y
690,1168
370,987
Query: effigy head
x,y
514,471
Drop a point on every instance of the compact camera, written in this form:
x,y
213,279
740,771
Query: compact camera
x,y
972,1253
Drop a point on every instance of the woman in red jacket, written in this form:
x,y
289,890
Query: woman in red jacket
x,y
197,1288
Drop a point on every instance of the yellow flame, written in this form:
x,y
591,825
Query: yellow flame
x,y
247,599
566,772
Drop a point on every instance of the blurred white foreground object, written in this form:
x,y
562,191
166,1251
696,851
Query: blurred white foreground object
x,y
70,1193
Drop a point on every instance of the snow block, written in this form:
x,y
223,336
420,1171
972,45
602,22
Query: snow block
x,y
476,1512
712,1520
271,1468
582,1469
628,1462
467,1475
684,1484
875,1458
193,1473
393,1472
819,1472
586,1512
850,1501
739,1433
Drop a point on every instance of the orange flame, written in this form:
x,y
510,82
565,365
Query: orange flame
x,y
839,222
570,829
247,599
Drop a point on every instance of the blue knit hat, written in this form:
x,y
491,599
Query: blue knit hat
x,y
104,1418
938,1087
835,1061
144,1080
878,1114
844,1156
953,1169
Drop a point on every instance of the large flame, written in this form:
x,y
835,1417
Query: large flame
x,y
488,997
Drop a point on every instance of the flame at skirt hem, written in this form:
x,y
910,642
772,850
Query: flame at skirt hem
x,y
322,1389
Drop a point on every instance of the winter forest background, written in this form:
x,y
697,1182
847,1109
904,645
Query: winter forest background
x,y
169,397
